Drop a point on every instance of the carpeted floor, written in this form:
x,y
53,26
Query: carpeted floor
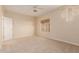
x,y
37,44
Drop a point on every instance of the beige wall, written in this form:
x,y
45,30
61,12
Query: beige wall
x,y
0,23
64,24
1,15
23,26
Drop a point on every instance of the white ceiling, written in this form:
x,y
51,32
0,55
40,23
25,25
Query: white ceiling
x,y
28,9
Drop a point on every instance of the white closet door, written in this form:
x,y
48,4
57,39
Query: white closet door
x,y
7,28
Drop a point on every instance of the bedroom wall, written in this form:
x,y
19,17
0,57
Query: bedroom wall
x,y
23,25
1,15
64,23
0,22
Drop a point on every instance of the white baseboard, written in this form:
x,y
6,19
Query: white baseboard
x,y
57,39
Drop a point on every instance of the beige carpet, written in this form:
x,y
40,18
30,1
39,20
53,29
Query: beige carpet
x,y
37,44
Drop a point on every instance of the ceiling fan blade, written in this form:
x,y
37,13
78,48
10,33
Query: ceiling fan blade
x,y
37,7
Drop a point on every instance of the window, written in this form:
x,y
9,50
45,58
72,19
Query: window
x,y
45,25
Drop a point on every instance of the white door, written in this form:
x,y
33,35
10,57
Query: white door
x,y
7,28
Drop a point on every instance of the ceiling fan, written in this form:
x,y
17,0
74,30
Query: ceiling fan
x,y
36,8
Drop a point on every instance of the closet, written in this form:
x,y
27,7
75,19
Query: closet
x,y
7,28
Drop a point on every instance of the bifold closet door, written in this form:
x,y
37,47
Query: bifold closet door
x,y
7,28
